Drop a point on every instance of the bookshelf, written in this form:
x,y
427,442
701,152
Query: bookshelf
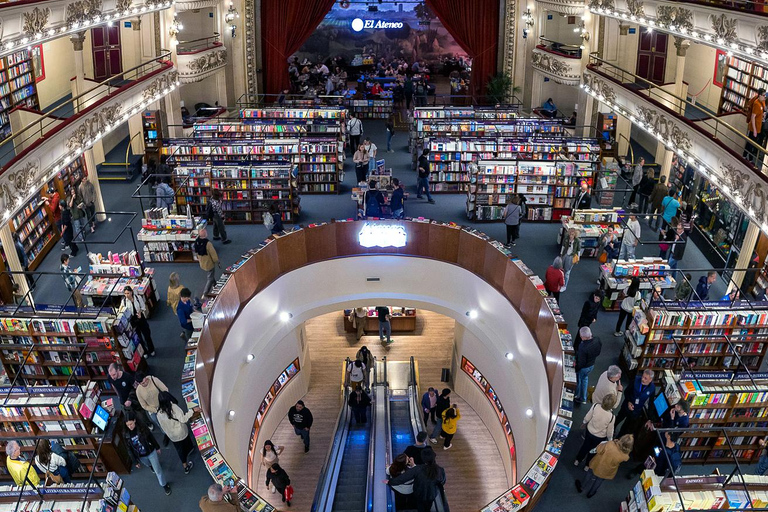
x,y
169,237
371,109
606,122
152,128
60,497
742,80
108,289
17,87
591,225
403,319
607,178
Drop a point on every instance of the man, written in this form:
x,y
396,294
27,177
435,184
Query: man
x,y
762,463
428,404
415,451
660,191
705,283
678,247
301,419
322,69
443,403
397,202
21,471
683,288
669,207
184,310
631,238
21,253
635,398
372,149
582,201
215,502
755,110
70,280
123,383
208,260
637,177
677,416
385,327
148,392
423,180
359,401
355,129
586,356
670,459
609,383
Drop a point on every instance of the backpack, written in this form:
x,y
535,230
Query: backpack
x,y
420,89
748,108
201,246
269,221
355,374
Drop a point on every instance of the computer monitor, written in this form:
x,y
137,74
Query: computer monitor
x,y
661,404
101,417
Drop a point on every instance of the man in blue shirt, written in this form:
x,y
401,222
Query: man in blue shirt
x,y
398,196
635,398
184,311
669,207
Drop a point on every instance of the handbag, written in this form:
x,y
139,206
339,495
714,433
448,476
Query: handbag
x,y
50,478
288,492
603,257
575,259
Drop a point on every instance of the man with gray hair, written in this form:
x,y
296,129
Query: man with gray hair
x,y
215,501
20,470
636,397
609,383
586,356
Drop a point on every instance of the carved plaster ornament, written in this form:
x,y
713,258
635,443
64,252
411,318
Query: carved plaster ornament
x,y
35,20
665,126
550,64
159,84
762,38
93,125
209,61
674,16
123,5
24,179
724,27
82,10
600,87
635,8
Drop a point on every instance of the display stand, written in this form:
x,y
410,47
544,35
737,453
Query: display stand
x,y
591,224
607,178
152,128
109,290
403,319
615,278
169,237
371,109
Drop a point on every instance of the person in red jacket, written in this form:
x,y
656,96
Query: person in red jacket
x,y
554,280
52,201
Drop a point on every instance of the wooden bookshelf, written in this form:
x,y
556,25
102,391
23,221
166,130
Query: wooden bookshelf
x,y
169,237
742,80
17,87
371,109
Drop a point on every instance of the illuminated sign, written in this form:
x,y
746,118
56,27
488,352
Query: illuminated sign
x,y
382,235
359,24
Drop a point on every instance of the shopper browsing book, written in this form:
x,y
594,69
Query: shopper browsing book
x,y
184,312
71,280
20,470
136,307
148,393
220,499
143,448
208,260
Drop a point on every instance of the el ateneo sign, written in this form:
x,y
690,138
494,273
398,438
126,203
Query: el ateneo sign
x,y
359,24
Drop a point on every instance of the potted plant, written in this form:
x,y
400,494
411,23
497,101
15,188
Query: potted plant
x,y
499,89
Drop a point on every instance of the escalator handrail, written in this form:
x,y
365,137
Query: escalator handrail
x,y
371,440
323,499
390,491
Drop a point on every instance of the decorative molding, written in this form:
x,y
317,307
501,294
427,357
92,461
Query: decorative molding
x,y
136,25
198,66
664,126
510,23
746,191
94,126
559,70
681,45
159,84
24,179
762,38
77,41
600,87
192,5
567,7
209,61
636,8
250,46
82,10
36,20
123,6
675,16
725,28
158,38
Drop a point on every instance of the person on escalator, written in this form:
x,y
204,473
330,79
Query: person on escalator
x,y
359,401
415,451
279,478
404,491
428,479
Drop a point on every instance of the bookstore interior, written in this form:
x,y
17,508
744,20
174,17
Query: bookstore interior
x,y
394,229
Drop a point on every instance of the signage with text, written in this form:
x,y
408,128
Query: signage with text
x,y
360,24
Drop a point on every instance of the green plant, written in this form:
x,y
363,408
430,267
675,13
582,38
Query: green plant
x,y
499,89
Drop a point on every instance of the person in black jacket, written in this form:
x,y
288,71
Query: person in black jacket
x,y
279,478
705,283
582,200
359,401
143,448
443,403
301,419
635,397
427,480
588,314
589,349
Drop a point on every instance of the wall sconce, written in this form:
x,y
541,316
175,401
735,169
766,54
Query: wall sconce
x,y
528,19
581,29
175,28
230,18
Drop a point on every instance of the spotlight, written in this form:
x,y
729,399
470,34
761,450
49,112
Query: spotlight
x,y
509,355
231,415
528,412
472,314
249,358
285,316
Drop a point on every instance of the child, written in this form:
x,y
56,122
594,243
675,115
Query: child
x,y
184,311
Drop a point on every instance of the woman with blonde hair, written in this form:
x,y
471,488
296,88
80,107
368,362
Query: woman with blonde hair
x,y
174,291
606,463
360,158
599,423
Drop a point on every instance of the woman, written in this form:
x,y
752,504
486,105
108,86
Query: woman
x,y
588,314
143,448
667,235
67,232
277,220
358,318
608,245
216,217
570,251
427,478
366,357
136,307
360,158
277,477
400,465
606,463
646,189
49,462
631,296
554,279
270,455
599,423
451,417
173,422
512,216
174,291
77,208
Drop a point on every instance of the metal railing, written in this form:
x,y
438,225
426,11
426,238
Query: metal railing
x,y
198,45
569,51
369,494
728,137
38,128
302,100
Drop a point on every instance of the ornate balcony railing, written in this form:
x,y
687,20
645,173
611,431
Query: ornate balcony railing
x,y
200,58
557,66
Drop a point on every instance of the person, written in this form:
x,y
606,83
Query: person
x,y
53,202
427,479
705,283
67,231
136,307
397,201
277,477
215,216
599,423
554,279
631,297
582,200
20,470
88,193
355,130
637,177
385,325
208,260
359,319
660,191
403,491
270,455
609,383
443,403
589,313
635,398
372,150
677,416
586,356
374,200
50,463
71,280
670,459
360,158
429,404
762,463
686,219
605,464
754,111
390,125
608,244
77,209
368,361
422,91
451,417
148,393
174,291
277,220
124,383
21,254
423,176
669,207
571,121
164,195
356,372
416,451
144,449
512,215
408,91
214,501
667,236
377,89
683,288
678,247
323,69
570,252
301,418
631,238
184,313
548,108
173,422
359,401
645,190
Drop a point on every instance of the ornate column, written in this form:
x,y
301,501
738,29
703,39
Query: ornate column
x,y
79,84
681,46
171,105
6,238
508,62
93,177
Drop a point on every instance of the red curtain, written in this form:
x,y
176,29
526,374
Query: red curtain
x,y
474,24
285,25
